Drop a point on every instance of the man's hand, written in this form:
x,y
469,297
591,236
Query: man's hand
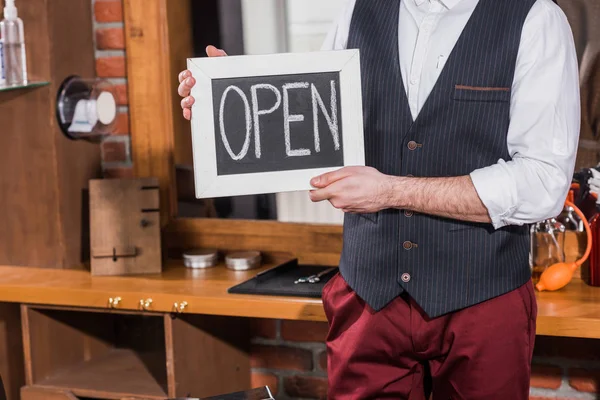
x,y
354,189
187,82
366,190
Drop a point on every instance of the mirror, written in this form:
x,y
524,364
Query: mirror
x,y
251,27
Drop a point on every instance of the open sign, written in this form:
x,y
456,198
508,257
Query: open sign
x,y
268,124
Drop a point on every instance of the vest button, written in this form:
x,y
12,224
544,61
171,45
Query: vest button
x,y
410,176
412,145
405,277
407,245
408,213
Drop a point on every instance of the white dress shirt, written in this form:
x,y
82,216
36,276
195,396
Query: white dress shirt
x,y
545,104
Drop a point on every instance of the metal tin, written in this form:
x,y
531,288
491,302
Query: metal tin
x,y
201,258
243,260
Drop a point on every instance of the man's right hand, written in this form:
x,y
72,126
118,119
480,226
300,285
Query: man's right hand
x,y
187,82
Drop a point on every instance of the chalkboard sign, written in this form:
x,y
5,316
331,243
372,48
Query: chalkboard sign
x,y
269,123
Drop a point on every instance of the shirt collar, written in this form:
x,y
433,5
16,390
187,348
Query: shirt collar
x,y
447,3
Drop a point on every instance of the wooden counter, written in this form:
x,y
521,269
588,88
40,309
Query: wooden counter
x,y
572,312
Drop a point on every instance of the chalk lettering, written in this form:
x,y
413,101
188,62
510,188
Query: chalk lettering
x,y
257,112
288,118
332,120
246,145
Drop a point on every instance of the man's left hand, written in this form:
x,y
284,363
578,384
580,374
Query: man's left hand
x,y
354,189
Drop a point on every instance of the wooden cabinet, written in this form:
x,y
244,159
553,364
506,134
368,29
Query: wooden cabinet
x,y
75,353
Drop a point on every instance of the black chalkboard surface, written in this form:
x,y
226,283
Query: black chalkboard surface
x,y
278,123
268,124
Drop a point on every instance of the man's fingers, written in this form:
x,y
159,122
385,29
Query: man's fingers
x,y
330,177
184,74
188,102
212,51
186,86
187,114
319,195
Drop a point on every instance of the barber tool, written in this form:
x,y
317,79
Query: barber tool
x,y
243,260
200,258
316,278
560,274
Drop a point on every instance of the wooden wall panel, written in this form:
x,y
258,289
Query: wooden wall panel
x,y
42,172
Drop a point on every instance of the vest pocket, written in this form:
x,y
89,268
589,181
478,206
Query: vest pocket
x,y
457,226
373,217
481,93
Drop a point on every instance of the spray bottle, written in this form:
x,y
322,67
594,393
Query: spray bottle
x,y
13,37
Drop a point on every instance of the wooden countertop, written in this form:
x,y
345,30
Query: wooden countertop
x,y
573,311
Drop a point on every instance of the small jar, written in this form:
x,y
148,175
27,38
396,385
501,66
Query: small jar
x,y
243,260
201,258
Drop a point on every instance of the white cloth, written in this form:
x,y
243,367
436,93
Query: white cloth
x,y
545,104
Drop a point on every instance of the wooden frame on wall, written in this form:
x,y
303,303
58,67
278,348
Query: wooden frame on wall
x,y
158,42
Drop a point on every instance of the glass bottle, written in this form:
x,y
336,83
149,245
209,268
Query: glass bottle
x,y
547,246
13,37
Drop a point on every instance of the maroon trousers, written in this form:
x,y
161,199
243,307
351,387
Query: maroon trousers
x,y
482,352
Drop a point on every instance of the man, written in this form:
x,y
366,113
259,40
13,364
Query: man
x,y
471,111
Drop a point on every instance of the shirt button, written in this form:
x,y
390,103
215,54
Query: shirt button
x,y
407,245
410,176
408,213
405,277
412,145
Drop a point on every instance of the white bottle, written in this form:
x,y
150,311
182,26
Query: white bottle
x,y
15,62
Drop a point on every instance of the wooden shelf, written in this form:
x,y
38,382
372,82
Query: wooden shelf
x,y
29,85
120,373
573,311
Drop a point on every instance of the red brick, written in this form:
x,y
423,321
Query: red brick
x,y
259,379
108,10
110,39
584,380
276,357
114,152
304,331
573,348
118,173
264,328
307,387
323,360
111,67
547,377
121,125
121,95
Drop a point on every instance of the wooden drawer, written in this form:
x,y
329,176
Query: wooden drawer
x,y
107,354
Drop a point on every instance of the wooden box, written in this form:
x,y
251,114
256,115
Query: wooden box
x,y
125,227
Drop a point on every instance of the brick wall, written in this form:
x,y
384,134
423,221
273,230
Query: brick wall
x,y
110,64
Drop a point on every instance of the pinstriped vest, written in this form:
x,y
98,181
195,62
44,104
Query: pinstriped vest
x,y
444,265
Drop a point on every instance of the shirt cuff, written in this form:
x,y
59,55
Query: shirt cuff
x,y
496,189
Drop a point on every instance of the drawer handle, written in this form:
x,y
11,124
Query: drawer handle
x,y
180,307
113,302
145,304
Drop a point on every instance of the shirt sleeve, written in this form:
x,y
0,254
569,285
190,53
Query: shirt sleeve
x,y
337,38
544,125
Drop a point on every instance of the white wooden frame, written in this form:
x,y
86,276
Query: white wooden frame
x,y
204,70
